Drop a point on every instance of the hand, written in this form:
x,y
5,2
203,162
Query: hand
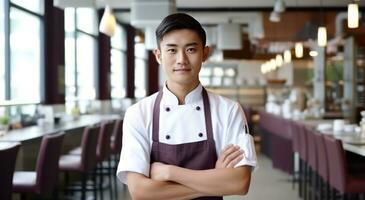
x,y
159,171
229,157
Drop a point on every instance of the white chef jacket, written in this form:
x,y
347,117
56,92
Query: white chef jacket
x,y
181,124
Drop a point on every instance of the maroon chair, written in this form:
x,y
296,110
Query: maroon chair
x,y
295,147
303,160
8,156
116,147
103,151
312,163
322,168
82,163
44,179
339,178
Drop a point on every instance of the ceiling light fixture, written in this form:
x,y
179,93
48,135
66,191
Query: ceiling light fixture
x,y
287,56
322,36
299,50
108,22
279,60
313,53
353,15
322,31
279,6
274,17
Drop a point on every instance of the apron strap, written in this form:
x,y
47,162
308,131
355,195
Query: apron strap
x,y
207,115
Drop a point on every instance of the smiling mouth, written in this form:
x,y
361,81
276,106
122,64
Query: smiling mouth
x,y
182,70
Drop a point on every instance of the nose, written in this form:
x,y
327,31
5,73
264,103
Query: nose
x,y
182,58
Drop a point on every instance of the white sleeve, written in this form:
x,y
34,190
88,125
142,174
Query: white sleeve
x,y
135,154
237,134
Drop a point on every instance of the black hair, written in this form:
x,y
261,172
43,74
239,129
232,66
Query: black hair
x,y
179,21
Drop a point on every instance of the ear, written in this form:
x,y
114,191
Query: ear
x,y
206,53
157,53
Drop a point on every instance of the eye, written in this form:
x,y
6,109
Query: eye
x,y
171,50
191,50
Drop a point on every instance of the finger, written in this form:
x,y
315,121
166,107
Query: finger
x,y
232,156
229,152
225,149
225,153
235,161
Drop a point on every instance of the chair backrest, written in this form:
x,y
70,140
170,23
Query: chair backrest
x,y
47,163
322,168
88,147
303,143
117,136
103,146
312,149
336,163
7,159
295,135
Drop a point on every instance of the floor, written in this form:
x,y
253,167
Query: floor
x,y
266,183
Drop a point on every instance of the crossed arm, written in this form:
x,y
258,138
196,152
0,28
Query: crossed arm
x,y
172,182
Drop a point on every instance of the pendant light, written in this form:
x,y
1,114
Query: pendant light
x,y
322,36
299,50
279,60
287,56
108,22
322,31
353,15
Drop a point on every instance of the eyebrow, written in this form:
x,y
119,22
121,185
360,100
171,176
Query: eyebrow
x,y
189,44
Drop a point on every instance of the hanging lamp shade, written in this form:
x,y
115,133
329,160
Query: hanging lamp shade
x,y
322,36
353,15
298,49
287,56
108,22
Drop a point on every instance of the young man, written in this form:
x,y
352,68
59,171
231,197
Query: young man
x,y
172,139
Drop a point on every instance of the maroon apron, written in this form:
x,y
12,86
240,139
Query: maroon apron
x,y
195,155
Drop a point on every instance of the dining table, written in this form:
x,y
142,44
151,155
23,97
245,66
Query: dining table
x,y
30,137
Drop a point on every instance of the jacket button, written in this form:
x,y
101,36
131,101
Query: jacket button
x,y
167,137
167,109
197,108
200,134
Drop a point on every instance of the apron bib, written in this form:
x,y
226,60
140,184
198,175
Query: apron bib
x,y
195,155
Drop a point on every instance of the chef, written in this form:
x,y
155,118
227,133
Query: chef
x,y
184,142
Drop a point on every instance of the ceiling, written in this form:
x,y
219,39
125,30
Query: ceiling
x,y
244,12
237,3
207,4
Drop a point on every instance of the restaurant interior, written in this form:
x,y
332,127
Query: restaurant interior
x,y
69,69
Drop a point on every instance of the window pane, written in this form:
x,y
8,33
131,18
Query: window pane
x,y
25,56
70,68
2,53
69,20
86,66
118,63
87,20
140,78
36,6
140,70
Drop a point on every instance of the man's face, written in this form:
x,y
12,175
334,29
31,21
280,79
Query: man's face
x,y
181,55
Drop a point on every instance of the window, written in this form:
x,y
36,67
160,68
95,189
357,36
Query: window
x,y
25,55
140,75
118,63
2,52
33,6
81,56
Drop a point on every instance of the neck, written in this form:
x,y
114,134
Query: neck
x,y
180,90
